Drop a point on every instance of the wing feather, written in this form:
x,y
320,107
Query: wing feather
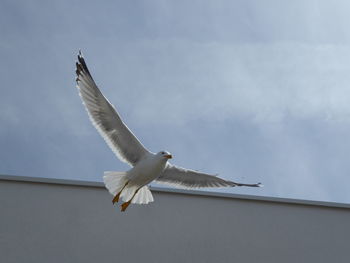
x,y
186,178
106,119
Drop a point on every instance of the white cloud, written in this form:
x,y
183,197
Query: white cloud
x,y
247,86
259,82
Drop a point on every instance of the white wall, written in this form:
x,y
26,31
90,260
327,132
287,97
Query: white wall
x,y
47,222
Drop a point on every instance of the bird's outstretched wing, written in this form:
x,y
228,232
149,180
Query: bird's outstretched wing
x,y
106,119
185,178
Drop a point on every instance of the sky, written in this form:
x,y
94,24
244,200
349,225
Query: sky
x,y
255,91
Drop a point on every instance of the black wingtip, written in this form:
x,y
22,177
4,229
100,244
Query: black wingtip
x,y
80,55
81,65
250,185
256,185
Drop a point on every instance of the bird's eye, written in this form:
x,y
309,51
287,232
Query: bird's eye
x,y
162,152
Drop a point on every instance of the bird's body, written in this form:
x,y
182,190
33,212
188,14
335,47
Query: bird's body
x,y
147,170
131,186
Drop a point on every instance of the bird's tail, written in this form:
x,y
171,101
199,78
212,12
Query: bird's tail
x,y
143,196
115,181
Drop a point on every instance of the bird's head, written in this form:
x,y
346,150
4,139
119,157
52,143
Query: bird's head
x,y
165,154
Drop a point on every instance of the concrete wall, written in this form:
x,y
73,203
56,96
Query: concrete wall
x,y
50,222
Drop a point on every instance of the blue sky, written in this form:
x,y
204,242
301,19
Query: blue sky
x,y
256,91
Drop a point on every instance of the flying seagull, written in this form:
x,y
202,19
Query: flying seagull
x,y
132,186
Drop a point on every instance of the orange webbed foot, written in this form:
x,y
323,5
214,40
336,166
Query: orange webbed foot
x,y
124,206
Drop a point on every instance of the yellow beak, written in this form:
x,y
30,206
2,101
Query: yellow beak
x,y
169,156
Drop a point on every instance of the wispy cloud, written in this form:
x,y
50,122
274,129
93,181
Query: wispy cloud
x,y
260,82
235,88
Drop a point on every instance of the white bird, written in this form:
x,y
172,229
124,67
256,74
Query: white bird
x,y
132,185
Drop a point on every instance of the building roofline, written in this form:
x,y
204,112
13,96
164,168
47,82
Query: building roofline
x,y
178,191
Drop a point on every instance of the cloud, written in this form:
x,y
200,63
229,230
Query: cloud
x,y
258,82
261,95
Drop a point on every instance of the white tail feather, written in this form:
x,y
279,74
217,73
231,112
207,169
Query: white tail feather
x,y
143,196
128,192
115,181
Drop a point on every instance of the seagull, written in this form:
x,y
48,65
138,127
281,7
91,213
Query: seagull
x,y
132,186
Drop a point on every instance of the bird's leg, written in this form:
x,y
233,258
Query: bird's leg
x,y
116,198
125,205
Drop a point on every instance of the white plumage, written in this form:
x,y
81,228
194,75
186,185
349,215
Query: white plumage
x,y
114,182
131,186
